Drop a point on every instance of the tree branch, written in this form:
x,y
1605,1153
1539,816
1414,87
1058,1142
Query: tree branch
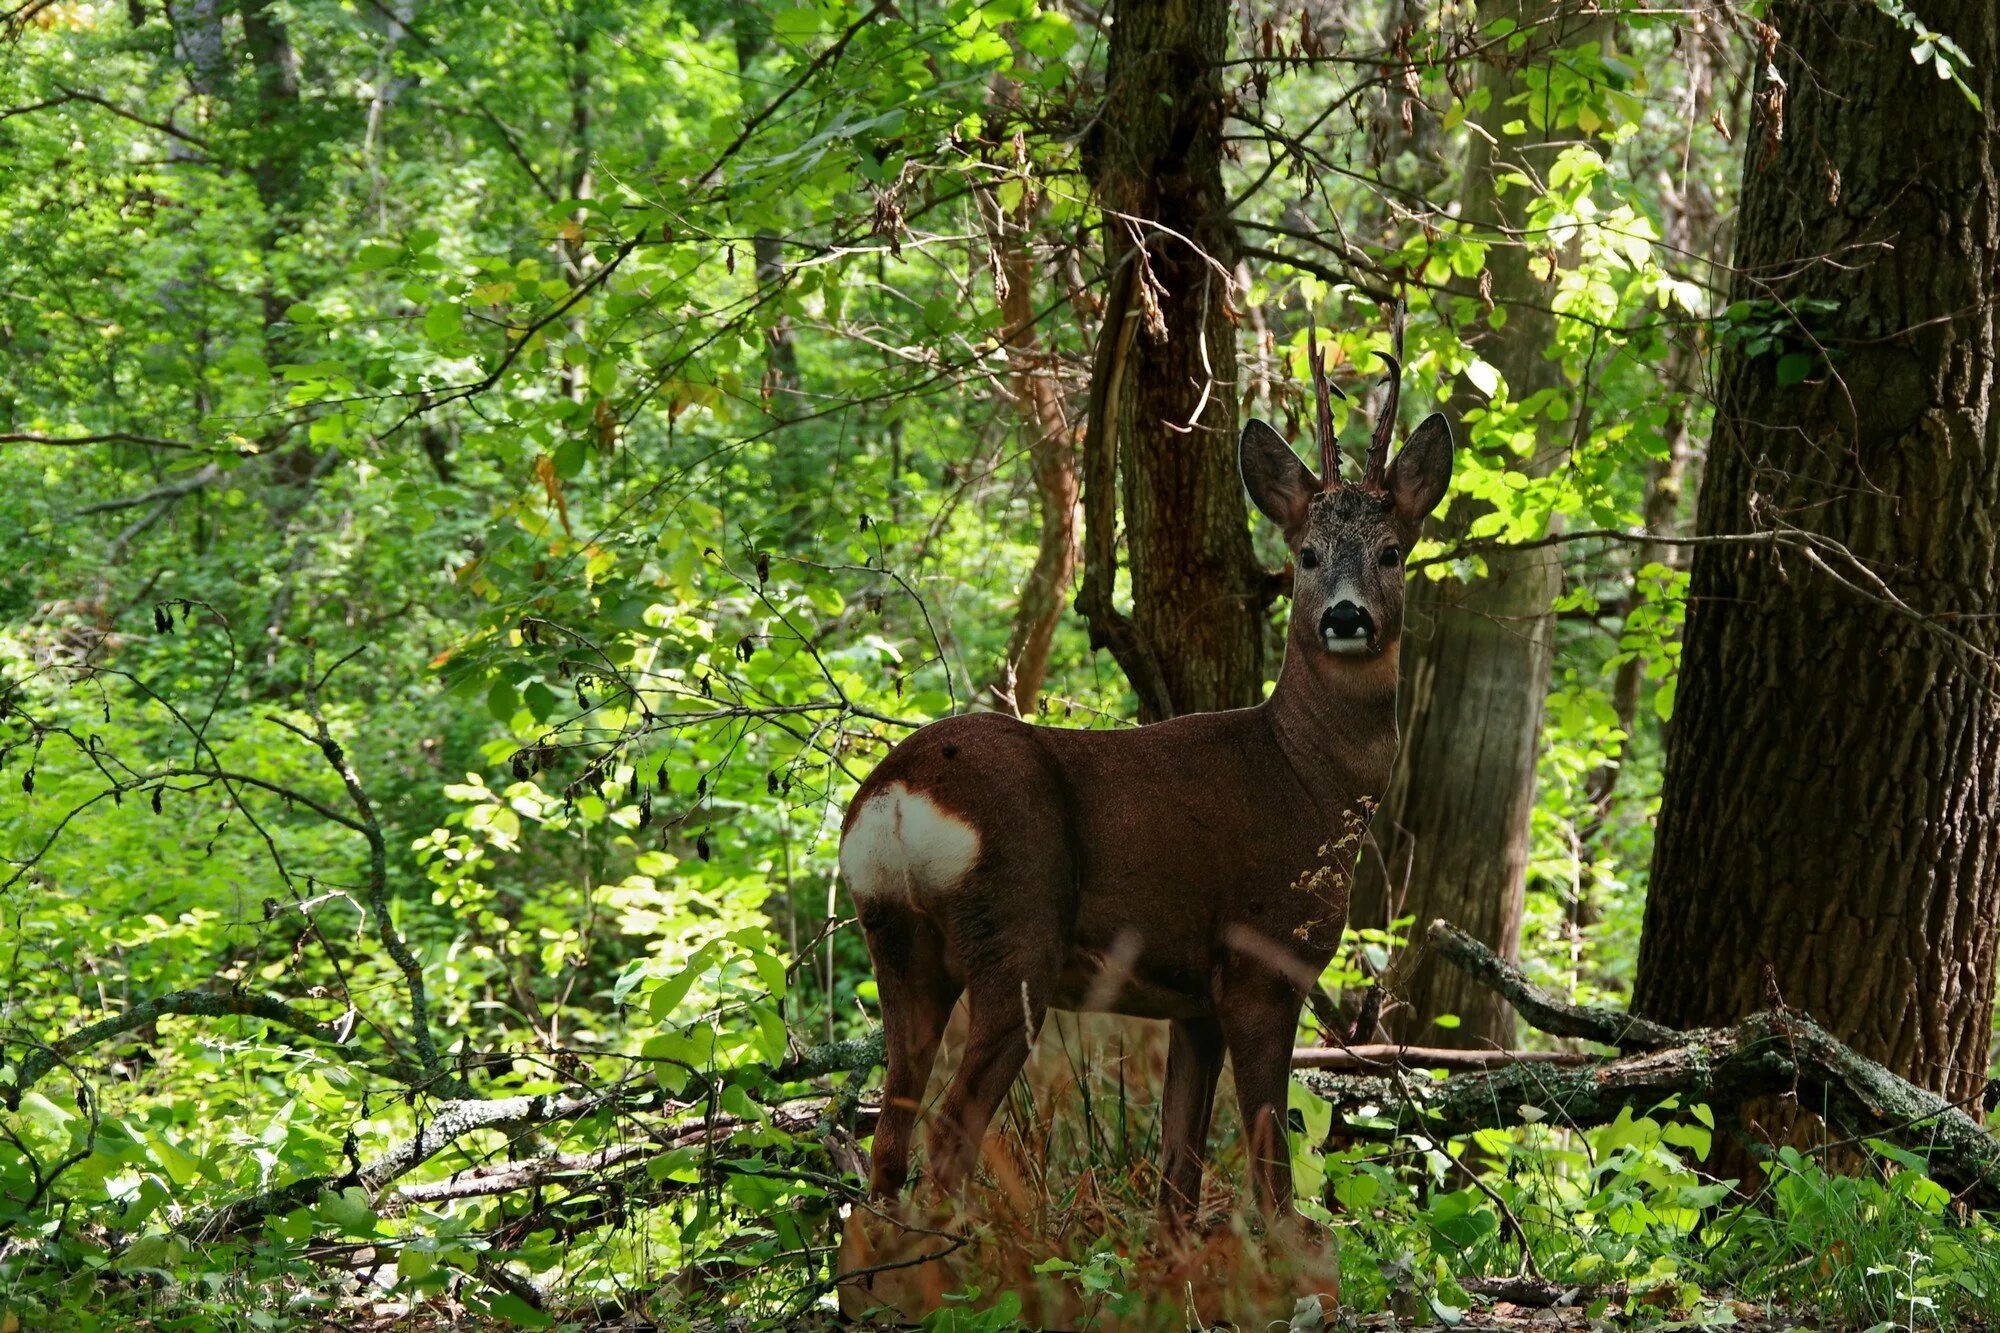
x,y
173,490
194,1003
98,100
107,437
1362,1059
455,1119
1110,627
378,877
1558,1018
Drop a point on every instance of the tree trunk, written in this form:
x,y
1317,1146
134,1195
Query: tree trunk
x,y
1451,838
1164,400
1031,378
276,164
1829,836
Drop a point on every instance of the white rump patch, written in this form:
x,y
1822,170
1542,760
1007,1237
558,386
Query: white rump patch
x,y
904,842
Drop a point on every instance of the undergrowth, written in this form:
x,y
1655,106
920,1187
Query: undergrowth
x,y
1060,1231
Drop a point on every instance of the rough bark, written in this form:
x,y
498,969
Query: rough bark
x,y
1451,838
781,366
1166,409
1830,829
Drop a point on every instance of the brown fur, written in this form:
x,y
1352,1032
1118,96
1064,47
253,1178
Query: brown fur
x,y
1195,870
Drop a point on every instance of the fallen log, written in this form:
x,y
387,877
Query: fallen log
x,y
1773,1052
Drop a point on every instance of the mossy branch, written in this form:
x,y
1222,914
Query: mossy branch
x,y
191,1003
1773,1052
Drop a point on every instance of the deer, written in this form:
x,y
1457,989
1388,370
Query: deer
x,y
1193,870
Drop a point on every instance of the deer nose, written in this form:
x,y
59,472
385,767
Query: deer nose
x,y
1345,620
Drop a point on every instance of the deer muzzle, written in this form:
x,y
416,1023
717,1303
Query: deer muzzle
x,y
1346,627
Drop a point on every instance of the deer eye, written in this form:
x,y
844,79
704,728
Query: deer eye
x,y
1308,558
1391,556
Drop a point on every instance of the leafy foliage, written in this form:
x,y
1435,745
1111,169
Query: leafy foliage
x,y
486,481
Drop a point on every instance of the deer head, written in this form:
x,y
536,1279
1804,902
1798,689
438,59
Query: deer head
x,y
1348,540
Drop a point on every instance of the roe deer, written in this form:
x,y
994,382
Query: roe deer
x,y
1194,870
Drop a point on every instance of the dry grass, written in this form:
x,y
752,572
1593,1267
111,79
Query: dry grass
x,y
1070,1174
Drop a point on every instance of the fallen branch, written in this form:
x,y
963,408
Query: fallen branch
x,y
455,1119
1774,1052
1361,1059
1539,1293
576,1169
1543,1011
449,1123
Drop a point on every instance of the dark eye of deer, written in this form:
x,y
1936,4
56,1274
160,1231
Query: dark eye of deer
x,y
1308,558
1391,556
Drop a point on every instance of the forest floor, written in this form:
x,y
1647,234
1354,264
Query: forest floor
x,y
1743,1316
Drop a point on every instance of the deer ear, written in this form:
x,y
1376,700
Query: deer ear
x,y
1279,484
1418,477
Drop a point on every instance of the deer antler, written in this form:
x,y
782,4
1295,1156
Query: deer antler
x,y
1377,474
1324,391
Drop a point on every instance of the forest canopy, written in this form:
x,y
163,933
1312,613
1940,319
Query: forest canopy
x,y
484,482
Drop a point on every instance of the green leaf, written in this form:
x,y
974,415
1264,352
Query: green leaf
x,y
349,1210
1793,367
796,24
667,996
444,322
570,457
541,700
46,1116
506,1305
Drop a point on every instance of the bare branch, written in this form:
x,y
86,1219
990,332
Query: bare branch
x,y
378,882
173,490
106,437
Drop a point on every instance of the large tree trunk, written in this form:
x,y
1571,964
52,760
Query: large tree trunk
x,y
1164,402
1830,830
1451,838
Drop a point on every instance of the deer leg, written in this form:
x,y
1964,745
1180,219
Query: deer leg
x,y
1006,1018
917,995
1194,1063
1260,1015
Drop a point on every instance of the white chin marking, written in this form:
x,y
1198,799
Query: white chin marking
x,y
902,842
1346,647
